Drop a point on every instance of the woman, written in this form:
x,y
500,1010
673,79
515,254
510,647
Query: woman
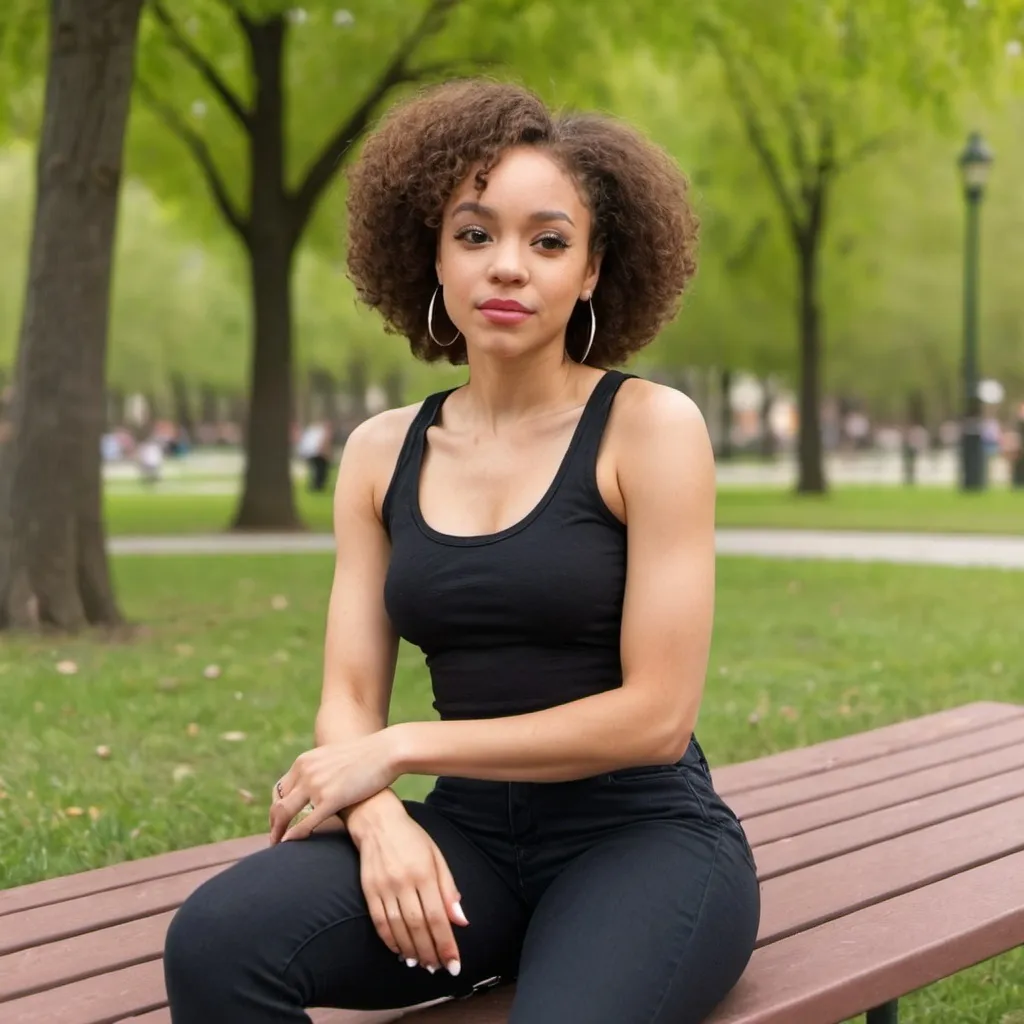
x,y
573,840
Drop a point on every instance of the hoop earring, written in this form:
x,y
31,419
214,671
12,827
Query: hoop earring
x,y
593,331
430,324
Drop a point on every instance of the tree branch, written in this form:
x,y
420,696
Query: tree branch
x,y
325,165
757,134
867,148
180,42
201,152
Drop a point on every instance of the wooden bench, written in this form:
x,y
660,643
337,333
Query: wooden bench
x,y
888,860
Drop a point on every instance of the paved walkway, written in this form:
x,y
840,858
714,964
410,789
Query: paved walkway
x,y
910,548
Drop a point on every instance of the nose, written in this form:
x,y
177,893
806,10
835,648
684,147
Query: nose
x,y
507,263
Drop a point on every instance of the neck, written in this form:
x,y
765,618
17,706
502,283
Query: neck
x,y
502,392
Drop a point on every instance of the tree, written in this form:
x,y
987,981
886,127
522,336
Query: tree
x,y
272,218
820,86
53,563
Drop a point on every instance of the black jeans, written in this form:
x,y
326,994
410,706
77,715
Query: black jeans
x,y
626,898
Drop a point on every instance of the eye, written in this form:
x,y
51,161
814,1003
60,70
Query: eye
x,y
475,236
552,243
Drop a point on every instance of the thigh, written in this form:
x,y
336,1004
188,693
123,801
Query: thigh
x,y
653,925
294,918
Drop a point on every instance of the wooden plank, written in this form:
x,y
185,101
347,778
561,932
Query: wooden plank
x,y
942,779
115,876
857,747
804,899
846,836
90,913
95,952
844,968
893,766
163,1016
100,1000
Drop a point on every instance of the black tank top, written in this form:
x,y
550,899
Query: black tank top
x,y
523,619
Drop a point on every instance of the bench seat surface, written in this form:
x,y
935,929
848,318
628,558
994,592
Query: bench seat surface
x,y
887,860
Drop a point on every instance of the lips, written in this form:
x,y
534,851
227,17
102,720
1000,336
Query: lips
x,y
506,312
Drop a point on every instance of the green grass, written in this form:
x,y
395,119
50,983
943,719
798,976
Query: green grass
x,y
131,511
935,509
803,652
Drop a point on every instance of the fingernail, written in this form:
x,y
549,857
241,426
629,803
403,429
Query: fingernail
x,y
409,962
431,968
454,967
457,907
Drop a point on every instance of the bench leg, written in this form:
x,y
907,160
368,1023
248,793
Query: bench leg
x,y
885,1014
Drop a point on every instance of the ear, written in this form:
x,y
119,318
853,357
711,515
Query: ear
x,y
592,276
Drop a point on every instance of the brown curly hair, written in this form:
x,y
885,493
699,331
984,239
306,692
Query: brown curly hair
x,y
425,147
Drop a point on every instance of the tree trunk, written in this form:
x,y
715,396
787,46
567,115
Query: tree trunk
x,y
268,502
769,442
811,469
182,404
725,451
53,561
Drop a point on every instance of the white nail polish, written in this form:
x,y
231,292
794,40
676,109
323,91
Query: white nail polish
x,y
409,962
457,907
454,967
431,968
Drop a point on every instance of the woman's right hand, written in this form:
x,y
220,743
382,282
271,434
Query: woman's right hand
x,y
408,887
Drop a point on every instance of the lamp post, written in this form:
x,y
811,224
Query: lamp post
x,y
975,161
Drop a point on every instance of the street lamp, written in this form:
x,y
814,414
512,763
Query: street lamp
x,y
975,161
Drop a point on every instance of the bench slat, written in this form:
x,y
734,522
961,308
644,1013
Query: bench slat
x,y
946,778
95,952
100,1000
90,913
822,892
792,764
846,967
786,855
115,876
828,783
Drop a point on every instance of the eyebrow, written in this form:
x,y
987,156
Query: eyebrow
x,y
486,211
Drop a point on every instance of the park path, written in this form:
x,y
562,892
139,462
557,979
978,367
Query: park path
x,y
840,545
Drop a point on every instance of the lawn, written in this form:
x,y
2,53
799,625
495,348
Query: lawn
x,y
116,750
130,510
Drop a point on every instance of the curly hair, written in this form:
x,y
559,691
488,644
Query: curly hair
x,y
425,147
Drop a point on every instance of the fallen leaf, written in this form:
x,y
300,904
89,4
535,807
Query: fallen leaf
x,y
67,668
753,718
279,602
3,794
844,709
232,737
73,812
247,797
103,752
182,772
193,729
212,671
95,813
790,714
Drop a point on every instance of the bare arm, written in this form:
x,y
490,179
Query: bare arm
x,y
361,647
667,479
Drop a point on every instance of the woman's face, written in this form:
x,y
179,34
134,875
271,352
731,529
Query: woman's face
x,y
514,260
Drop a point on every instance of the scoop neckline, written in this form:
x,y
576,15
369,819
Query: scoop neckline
x,y
476,539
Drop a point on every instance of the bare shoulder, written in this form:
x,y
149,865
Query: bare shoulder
x,y
371,453
648,412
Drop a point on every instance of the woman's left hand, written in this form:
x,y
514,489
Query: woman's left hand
x,y
330,778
